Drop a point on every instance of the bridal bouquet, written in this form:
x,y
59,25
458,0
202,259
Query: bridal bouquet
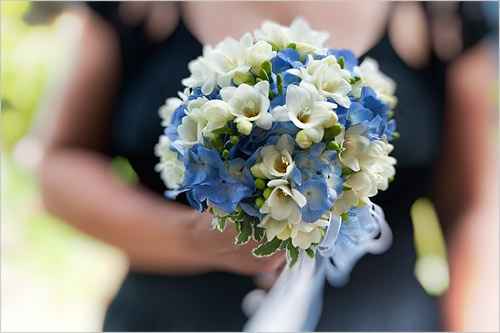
x,y
285,139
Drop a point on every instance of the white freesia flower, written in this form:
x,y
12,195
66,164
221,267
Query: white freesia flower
x,y
233,56
259,53
377,161
194,106
284,204
171,168
372,77
273,33
249,104
229,57
354,146
308,110
329,78
202,74
191,128
299,33
305,38
376,167
276,228
277,160
216,114
344,202
363,184
305,234
166,110
190,131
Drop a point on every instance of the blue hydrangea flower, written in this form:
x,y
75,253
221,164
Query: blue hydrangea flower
x,y
318,201
286,59
171,130
224,192
202,165
350,60
370,101
196,93
370,112
260,137
309,161
209,180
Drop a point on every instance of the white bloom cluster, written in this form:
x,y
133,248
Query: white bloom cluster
x,y
314,123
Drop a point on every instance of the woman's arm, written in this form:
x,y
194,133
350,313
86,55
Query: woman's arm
x,y
468,186
79,186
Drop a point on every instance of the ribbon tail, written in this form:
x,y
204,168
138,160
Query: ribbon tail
x,y
294,302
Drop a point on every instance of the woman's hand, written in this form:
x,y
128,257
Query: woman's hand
x,y
216,250
471,303
80,187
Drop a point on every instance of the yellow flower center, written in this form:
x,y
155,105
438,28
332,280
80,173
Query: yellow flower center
x,y
250,109
281,164
304,115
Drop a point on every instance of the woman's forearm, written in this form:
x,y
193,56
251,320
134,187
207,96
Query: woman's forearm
x,y
80,187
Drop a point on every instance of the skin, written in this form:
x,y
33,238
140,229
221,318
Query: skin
x,y
79,186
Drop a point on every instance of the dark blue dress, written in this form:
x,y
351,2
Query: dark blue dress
x,y
382,294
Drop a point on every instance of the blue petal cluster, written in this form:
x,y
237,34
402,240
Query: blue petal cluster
x,y
218,173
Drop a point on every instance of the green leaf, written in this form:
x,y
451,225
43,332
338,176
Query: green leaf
x,y
354,80
240,78
341,62
311,253
244,233
258,233
292,252
223,130
279,83
292,46
267,67
263,75
220,223
274,46
347,171
268,248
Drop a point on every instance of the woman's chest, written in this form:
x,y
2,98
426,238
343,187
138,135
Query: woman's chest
x,y
136,123
350,25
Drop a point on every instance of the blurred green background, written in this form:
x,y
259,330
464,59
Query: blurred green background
x,y
43,260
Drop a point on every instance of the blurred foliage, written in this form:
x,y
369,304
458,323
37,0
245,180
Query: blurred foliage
x,y
31,56
28,55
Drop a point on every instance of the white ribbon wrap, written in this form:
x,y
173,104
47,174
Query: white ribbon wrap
x,y
294,302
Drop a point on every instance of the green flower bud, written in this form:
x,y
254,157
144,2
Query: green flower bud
x,y
225,153
303,140
259,202
341,62
332,145
244,127
332,132
344,217
234,139
267,192
260,184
